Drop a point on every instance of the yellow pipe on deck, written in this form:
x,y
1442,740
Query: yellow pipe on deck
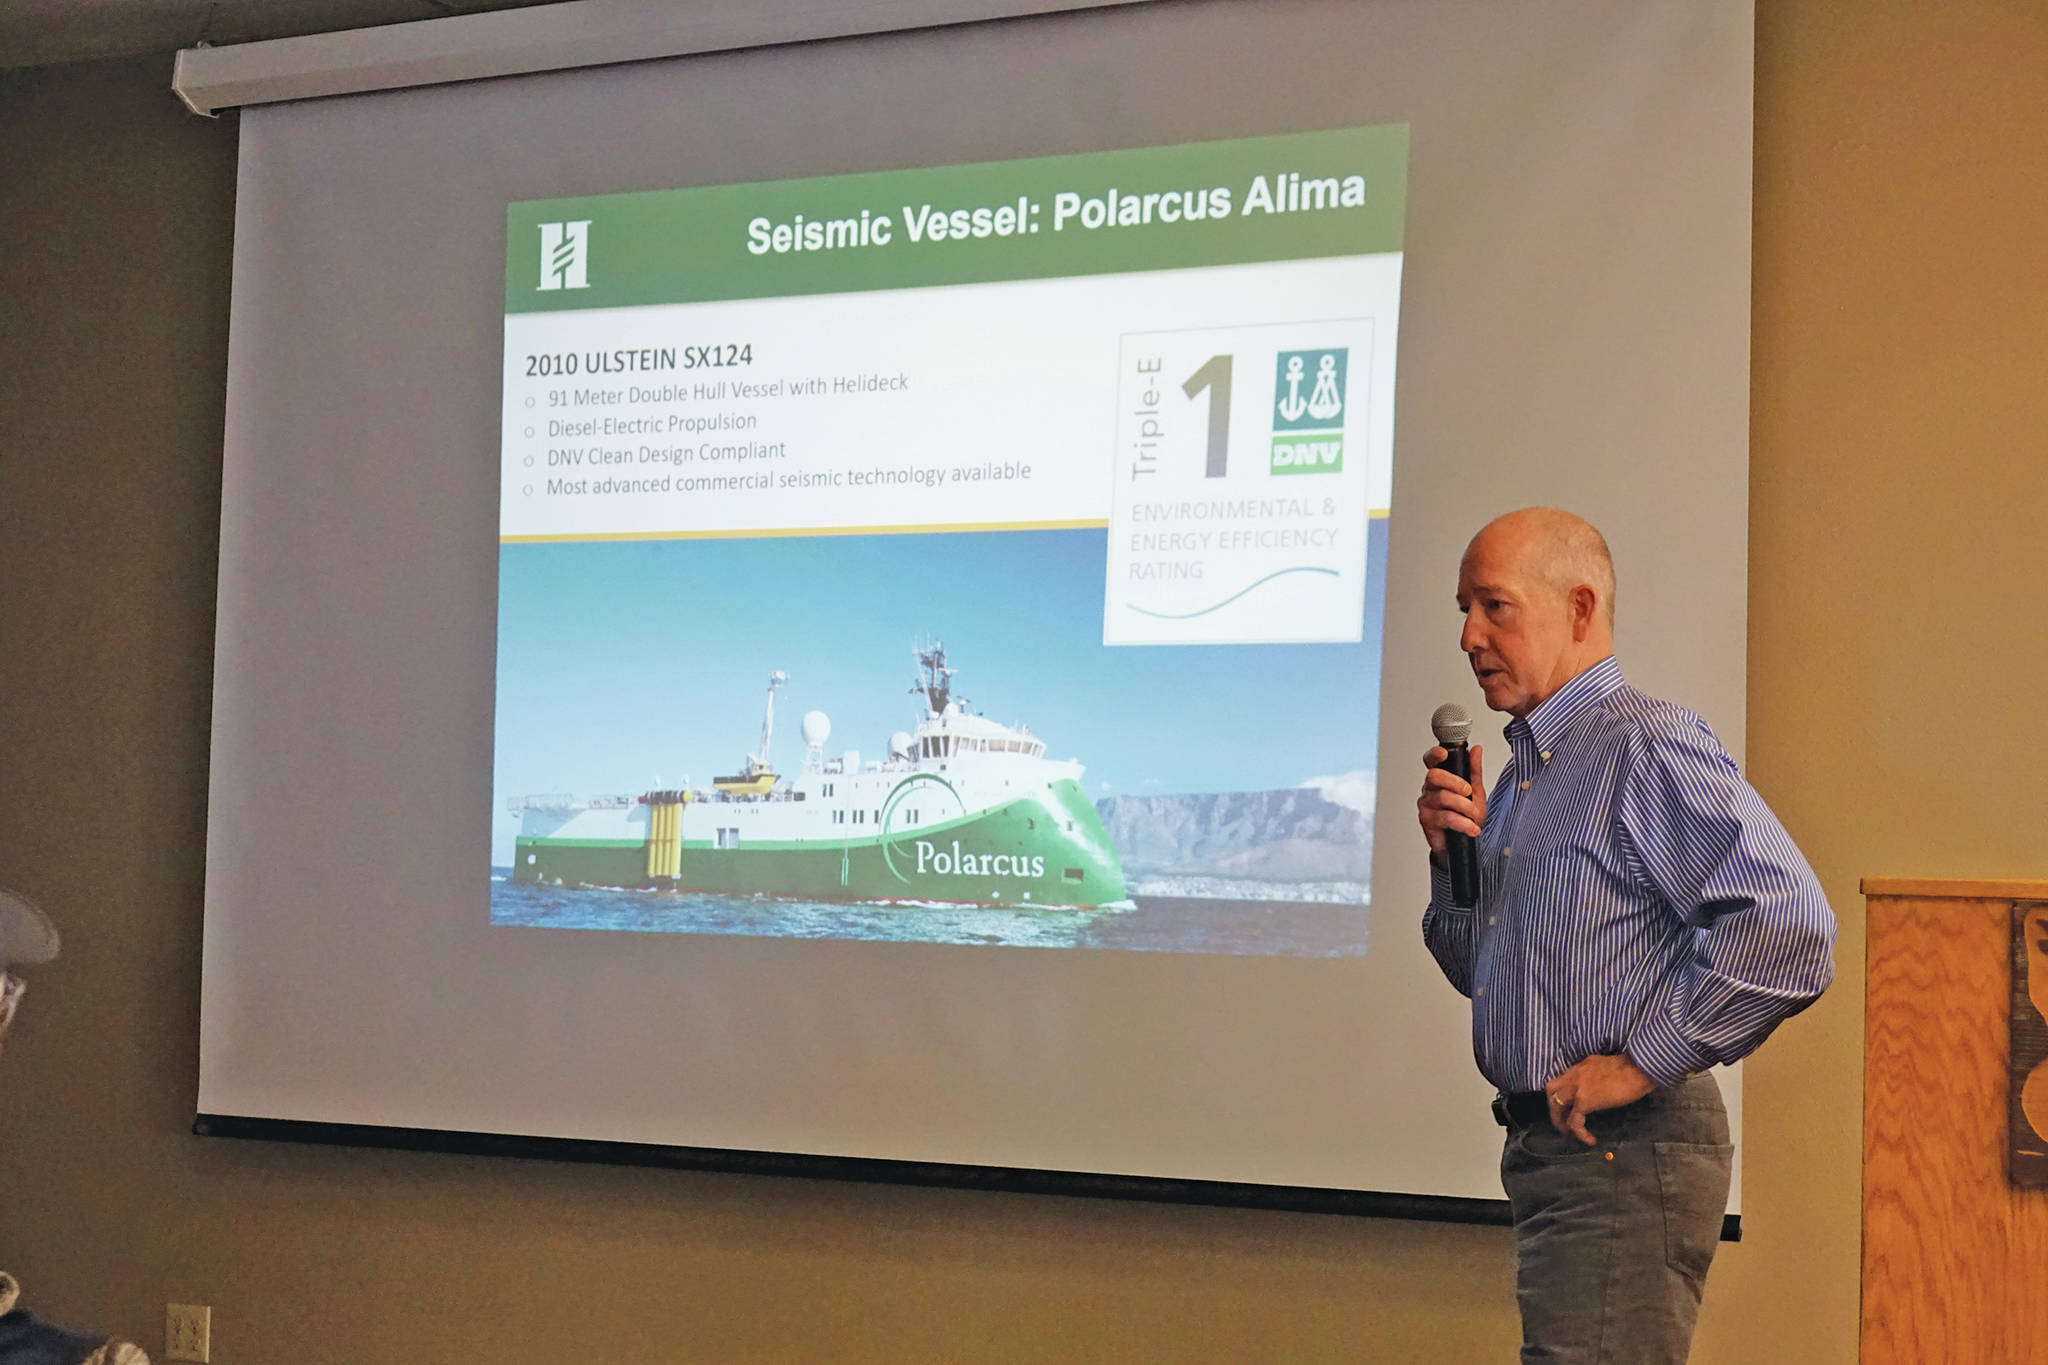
x,y
665,837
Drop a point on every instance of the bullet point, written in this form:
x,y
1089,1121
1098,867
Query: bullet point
x,y
529,490
529,402
529,462
529,431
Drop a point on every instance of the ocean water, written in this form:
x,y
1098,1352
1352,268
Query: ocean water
x,y
1162,924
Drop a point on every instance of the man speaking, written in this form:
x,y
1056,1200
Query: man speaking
x,y
1641,917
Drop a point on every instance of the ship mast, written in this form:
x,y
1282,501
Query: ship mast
x,y
758,763
935,680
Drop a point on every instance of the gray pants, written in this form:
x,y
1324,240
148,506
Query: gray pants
x,y
1613,1241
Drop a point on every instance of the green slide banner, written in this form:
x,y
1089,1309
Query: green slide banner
x,y
1290,197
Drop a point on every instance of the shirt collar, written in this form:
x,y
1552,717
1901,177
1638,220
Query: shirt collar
x,y
1556,712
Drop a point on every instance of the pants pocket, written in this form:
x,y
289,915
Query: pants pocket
x,y
1693,1179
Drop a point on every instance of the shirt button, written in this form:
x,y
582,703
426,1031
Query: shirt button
x,y
1546,755
1490,919
1480,991
1525,786
1507,853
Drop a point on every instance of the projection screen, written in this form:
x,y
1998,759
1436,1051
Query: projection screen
x,y
878,600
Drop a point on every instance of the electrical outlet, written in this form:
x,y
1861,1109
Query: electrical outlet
x,y
188,1329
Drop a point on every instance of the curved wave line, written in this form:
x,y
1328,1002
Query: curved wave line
x,y
1277,573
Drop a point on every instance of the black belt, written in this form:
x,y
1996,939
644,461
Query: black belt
x,y
1523,1109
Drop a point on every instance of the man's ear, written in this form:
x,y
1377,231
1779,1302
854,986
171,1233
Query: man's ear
x,y
1584,604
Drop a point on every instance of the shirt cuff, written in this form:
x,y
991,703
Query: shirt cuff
x,y
1662,1053
1440,889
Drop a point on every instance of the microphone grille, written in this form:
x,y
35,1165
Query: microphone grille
x,y
1451,724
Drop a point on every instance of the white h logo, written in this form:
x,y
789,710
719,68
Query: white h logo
x,y
564,255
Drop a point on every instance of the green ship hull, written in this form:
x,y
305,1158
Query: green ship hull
x,y
1048,848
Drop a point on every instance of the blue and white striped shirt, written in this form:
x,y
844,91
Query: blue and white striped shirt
x,y
1636,896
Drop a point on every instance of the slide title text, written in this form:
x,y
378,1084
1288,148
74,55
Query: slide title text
x,y
1285,192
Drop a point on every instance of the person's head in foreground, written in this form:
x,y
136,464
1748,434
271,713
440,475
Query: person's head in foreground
x,y
26,937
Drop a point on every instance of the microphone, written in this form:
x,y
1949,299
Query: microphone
x,y
1453,729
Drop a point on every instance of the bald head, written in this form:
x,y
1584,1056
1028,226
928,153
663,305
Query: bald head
x,y
1537,590
1560,548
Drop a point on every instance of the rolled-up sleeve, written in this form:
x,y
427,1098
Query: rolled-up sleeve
x,y
1761,932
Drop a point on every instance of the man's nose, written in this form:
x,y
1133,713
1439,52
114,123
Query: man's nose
x,y
1473,636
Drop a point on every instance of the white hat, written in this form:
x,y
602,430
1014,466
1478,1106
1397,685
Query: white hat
x,y
26,934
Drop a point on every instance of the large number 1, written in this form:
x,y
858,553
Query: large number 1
x,y
1215,377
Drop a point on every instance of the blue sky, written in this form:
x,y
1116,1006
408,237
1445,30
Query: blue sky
x,y
624,664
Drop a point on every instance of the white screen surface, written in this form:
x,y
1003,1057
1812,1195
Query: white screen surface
x,y
1572,309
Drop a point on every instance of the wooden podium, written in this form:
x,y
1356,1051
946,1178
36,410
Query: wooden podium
x,y
1955,1255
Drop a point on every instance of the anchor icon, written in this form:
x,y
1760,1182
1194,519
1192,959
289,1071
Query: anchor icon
x,y
1324,403
1292,406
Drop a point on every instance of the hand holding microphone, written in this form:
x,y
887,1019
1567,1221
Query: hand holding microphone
x,y
1453,802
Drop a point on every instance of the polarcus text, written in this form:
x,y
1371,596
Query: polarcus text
x,y
959,864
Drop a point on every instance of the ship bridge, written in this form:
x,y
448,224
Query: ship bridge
x,y
948,729
958,732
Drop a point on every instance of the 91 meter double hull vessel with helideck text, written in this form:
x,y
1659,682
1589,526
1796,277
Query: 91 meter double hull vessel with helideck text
x,y
963,810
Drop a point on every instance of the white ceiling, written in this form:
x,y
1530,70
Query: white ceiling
x,y
43,32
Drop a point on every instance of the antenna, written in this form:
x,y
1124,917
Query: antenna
x,y
935,679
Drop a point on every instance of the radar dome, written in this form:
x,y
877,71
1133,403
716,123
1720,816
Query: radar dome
x,y
817,727
899,744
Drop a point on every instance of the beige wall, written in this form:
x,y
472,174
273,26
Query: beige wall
x,y
1900,478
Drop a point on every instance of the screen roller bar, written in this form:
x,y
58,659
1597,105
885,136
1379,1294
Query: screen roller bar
x,y
935,1174
549,38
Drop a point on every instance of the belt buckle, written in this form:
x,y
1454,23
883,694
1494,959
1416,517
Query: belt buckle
x,y
1500,1110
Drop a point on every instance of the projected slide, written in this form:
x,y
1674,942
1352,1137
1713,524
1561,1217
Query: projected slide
x,y
985,554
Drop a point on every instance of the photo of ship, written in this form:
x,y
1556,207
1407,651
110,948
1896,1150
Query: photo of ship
x,y
1166,799
961,810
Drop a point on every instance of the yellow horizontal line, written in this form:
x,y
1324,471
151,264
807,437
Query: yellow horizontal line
x,y
766,532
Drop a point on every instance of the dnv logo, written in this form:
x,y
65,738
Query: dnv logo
x,y
565,255
1308,412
